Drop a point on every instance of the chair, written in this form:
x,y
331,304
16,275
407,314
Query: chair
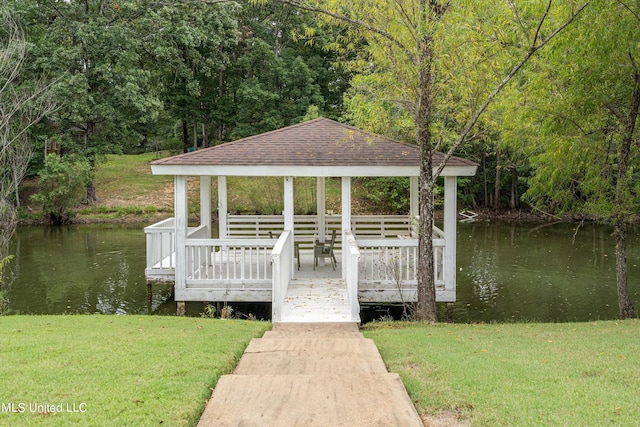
x,y
321,250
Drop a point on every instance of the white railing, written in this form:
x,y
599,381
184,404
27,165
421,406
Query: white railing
x,y
306,226
395,261
282,264
351,276
161,244
228,261
415,229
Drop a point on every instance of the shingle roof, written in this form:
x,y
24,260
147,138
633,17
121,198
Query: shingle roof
x,y
318,142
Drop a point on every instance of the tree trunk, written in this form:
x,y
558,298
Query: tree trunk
x,y
624,302
426,305
514,188
185,136
484,177
496,188
205,138
195,135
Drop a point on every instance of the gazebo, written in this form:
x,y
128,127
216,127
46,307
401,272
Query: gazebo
x,y
270,258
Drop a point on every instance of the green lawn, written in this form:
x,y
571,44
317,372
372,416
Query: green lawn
x,y
115,370
129,176
152,370
568,374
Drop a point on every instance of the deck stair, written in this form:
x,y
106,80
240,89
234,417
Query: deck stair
x,y
317,300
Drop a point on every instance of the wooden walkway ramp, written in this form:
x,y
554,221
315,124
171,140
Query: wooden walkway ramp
x,y
319,374
317,300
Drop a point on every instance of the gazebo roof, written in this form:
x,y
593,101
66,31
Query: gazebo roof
x,y
319,147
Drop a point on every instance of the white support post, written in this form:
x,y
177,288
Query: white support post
x,y
289,217
205,203
346,219
223,229
321,207
181,212
450,222
413,199
288,203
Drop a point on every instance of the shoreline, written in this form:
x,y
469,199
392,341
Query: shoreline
x,y
520,216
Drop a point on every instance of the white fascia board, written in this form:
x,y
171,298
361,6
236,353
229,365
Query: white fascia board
x,y
311,171
459,171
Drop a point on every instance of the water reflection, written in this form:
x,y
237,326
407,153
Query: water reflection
x,y
505,272
80,269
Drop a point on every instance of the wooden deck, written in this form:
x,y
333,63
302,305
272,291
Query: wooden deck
x,y
316,301
379,267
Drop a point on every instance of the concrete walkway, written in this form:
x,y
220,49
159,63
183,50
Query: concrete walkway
x,y
318,374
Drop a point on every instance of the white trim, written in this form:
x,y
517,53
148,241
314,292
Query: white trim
x,y
312,171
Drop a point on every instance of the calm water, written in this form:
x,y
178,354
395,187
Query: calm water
x,y
532,272
505,272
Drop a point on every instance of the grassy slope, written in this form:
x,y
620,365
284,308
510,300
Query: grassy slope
x,y
128,370
569,374
125,186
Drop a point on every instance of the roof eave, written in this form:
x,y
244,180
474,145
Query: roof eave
x,y
308,171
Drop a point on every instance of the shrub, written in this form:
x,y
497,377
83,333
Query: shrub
x,y
62,186
387,195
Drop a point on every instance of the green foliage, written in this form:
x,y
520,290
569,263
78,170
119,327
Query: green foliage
x,y
581,108
62,186
387,195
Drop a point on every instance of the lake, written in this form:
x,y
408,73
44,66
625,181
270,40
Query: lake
x,y
506,272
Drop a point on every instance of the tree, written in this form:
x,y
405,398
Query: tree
x,y
62,184
23,103
587,163
105,91
443,62
190,54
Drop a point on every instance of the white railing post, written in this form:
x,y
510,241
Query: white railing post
x,y
282,265
351,266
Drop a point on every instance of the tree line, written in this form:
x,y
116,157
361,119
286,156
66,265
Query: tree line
x,y
543,95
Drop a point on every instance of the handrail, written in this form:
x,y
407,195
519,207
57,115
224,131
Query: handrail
x,y
165,223
415,229
161,245
351,276
396,260
282,269
227,260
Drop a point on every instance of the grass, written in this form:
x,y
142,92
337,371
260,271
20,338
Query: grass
x,y
127,190
115,370
569,374
128,176
148,370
